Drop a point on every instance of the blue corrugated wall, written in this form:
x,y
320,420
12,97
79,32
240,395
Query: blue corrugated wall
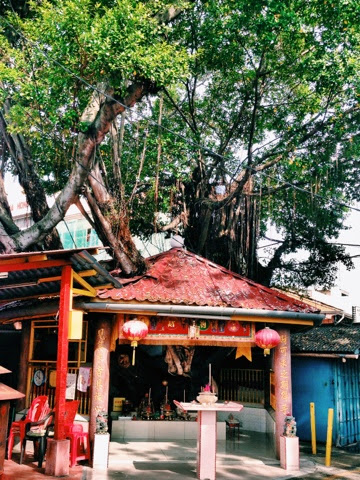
x,y
313,381
347,378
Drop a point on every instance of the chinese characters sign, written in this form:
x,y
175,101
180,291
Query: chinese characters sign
x,y
283,375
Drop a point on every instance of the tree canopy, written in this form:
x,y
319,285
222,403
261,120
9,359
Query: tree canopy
x,y
215,119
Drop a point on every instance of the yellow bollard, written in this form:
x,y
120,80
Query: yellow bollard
x,y
329,437
313,428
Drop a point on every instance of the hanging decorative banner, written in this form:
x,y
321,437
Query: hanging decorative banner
x,y
192,331
70,386
83,380
244,349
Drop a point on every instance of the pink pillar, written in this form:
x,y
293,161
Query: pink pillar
x,y
101,373
283,392
206,445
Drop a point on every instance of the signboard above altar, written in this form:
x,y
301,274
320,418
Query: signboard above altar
x,y
191,331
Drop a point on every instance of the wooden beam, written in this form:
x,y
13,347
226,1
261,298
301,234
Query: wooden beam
x,y
37,258
85,273
85,284
12,261
80,291
32,265
42,295
105,285
287,321
49,279
30,317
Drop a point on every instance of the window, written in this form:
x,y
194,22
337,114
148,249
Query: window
x,y
43,343
77,234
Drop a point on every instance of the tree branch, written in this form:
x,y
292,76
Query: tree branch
x,y
103,114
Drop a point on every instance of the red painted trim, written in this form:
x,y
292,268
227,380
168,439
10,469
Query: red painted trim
x,y
62,353
33,265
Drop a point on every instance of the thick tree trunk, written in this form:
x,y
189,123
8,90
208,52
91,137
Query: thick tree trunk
x,y
112,226
225,232
30,182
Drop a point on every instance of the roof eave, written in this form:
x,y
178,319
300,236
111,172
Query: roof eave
x,y
226,313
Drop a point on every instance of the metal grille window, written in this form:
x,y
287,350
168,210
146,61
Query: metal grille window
x,y
242,385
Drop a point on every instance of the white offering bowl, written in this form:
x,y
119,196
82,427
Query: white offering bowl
x,y
207,398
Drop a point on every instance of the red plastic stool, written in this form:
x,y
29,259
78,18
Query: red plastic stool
x,y
79,444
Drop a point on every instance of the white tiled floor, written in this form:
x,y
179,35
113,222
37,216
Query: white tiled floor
x,y
237,447
249,456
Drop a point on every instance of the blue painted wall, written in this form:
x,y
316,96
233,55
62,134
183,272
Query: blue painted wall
x,y
312,381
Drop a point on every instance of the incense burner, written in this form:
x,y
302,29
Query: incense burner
x,y
207,398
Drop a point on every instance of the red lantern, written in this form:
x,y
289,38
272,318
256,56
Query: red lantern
x,y
266,339
134,330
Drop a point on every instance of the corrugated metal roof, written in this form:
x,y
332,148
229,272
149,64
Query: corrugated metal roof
x,y
180,277
328,338
38,274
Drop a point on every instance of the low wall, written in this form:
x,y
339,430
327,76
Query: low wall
x,y
250,418
159,430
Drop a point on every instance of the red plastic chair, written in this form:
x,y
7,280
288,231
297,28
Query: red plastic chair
x,y
38,409
79,440
38,433
71,408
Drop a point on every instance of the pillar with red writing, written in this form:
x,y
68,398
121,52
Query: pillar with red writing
x,y
283,393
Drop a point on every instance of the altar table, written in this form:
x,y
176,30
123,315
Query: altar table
x,y
206,439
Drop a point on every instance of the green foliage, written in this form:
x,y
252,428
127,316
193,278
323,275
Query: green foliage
x,y
268,87
64,47
280,87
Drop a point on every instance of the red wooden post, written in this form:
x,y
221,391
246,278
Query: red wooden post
x,y
283,392
62,350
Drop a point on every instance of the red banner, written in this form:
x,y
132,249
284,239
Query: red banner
x,y
179,330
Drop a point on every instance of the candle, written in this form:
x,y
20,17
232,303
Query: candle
x,y
210,375
149,395
184,394
166,395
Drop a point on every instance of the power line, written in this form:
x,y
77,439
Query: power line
x,y
155,124
276,242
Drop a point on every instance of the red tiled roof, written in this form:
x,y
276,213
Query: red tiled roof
x,y
182,278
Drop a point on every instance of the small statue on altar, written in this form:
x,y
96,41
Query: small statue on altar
x,y
102,422
146,407
289,426
166,412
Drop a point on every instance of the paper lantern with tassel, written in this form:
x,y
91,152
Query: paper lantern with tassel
x,y
134,330
266,339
